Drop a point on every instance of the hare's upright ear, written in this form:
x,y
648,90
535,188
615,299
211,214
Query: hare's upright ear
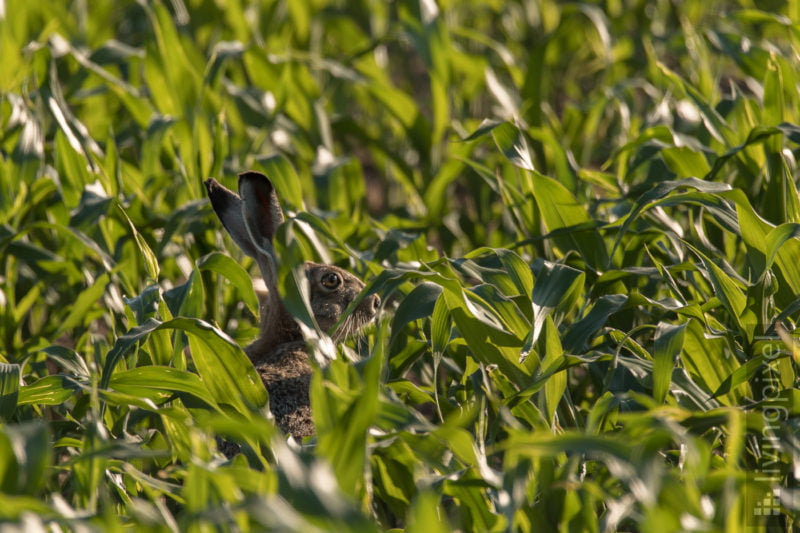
x,y
251,220
228,207
262,211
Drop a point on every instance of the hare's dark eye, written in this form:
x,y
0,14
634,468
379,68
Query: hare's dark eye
x,y
331,280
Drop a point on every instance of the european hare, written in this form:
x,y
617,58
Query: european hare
x,y
279,353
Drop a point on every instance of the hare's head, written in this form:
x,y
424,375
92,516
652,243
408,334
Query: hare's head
x,y
331,291
251,218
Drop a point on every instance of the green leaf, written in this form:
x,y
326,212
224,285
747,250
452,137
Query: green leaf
x,y
561,211
686,162
223,367
72,168
225,266
776,238
49,390
730,292
25,455
554,284
663,193
9,389
510,141
149,258
773,102
441,325
160,382
69,360
741,375
668,345
556,385
489,343
145,304
344,443
755,231
84,302
419,303
283,175
93,205
15,507
186,299
223,51
518,269
426,515
579,333
485,127
706,359
344,409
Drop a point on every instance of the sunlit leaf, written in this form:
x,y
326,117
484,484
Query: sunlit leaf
x,y
9,389
280,171
561,211
553,285
668,344
224,265
555,386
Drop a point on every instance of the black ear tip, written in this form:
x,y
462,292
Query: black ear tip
x,y
258,183
211,184
253,176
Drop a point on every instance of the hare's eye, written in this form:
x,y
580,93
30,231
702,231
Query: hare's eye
x,y
331,280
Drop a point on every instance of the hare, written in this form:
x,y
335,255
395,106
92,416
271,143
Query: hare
x,y
279,354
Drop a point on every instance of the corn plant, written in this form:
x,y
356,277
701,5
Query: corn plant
x,y
582,220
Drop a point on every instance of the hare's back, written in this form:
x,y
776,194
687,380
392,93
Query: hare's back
x,y
285,361
286,374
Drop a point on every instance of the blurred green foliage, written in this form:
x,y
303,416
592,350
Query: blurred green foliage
x,y
582,219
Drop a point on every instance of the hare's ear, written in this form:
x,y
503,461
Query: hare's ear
x,y
262,211
262,215
228,207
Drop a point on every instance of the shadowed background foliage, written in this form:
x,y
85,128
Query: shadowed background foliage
x,y
582,219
